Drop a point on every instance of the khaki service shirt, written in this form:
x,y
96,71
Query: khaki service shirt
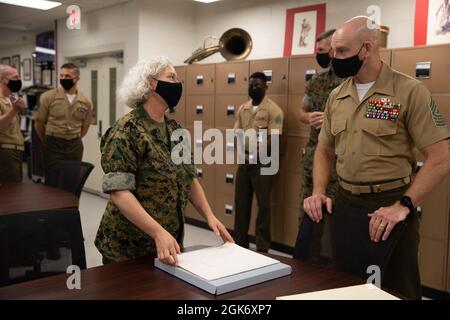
x,y
374,138
60,116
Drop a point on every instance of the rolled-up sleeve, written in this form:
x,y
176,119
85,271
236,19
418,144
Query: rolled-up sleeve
x,y
119,159
325,136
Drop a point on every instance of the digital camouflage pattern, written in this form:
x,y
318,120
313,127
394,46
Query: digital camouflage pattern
x,y
317,92
135,157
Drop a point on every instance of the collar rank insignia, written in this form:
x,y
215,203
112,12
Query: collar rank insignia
x,y
383,109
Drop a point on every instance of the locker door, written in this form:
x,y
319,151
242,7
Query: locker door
x,y
277,72
200,108
226,110
294,126
232,78
200,79
301,69
416,62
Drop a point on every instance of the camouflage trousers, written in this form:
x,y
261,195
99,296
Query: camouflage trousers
x,y
318,243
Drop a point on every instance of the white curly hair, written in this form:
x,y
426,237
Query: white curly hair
x,y
134,89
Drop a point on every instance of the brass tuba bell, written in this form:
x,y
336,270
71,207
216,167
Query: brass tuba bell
x,y
234,44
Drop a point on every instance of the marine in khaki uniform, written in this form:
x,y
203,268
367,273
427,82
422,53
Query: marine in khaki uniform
x,y
63,117
372,123
258,113
149,191
11,138
313,243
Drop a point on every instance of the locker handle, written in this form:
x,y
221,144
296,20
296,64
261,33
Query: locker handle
x,y
199,80
230,110
228,209
229,178
199,109
200,173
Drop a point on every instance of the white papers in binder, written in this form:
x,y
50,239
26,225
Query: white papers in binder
x,y
226,260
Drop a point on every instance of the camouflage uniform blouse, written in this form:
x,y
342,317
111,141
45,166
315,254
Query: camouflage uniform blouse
x,y
317,91
136,157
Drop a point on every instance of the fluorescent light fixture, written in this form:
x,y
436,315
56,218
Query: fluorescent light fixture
x,y
35,4
206,1
45,50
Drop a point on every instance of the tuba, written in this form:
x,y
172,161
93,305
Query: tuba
x,y
234,44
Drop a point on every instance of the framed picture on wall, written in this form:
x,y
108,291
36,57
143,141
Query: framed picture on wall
x,y
37,73
303,25
26,64
432,22
15,62
6,60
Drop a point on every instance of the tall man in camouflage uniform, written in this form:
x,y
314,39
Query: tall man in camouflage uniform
x,y
11,138
312,239
63,118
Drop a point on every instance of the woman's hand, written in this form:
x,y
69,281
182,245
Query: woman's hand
x,y
167,247
219,229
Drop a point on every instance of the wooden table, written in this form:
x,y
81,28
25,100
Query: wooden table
x,y
138,280
29,197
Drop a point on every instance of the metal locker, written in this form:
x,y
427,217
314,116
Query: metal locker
x,y
179,113
225,209
295,150
385,55
200,79
290,229
206,177
432,263
277,72
277,196
181,73
277,223
294,126
226,178
293,185
430,64
434,213
301,69
200,108
232,77
226,110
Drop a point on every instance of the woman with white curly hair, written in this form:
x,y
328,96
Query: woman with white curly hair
x,y
149,192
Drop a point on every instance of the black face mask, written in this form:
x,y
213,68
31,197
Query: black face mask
x,y
170,92
323,59
14,85
257,94
347,67
67,84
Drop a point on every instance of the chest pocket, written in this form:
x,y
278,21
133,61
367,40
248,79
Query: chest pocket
x,y
339,131
378,137
261,119
79,111
58,111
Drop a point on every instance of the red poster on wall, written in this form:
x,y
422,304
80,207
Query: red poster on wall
x,y
303,25
432,22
